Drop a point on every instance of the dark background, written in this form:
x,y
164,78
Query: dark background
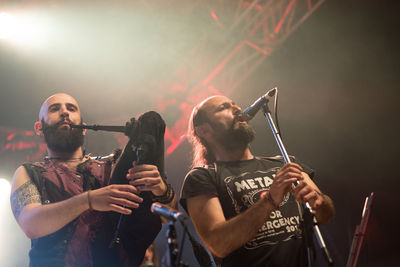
x,y
338,77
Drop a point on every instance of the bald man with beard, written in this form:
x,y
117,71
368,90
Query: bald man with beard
x,y
60,203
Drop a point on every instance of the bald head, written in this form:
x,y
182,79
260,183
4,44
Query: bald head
x,y
57,101
209,102
57,114
202,112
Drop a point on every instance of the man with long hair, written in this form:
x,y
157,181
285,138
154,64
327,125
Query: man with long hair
x,y
244,207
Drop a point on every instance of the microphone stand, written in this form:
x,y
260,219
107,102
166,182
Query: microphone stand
x,y
172,245
308,220
174,251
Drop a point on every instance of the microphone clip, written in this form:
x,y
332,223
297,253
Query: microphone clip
x,y
251,111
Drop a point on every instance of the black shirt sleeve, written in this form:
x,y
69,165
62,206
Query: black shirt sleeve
x,y
199,181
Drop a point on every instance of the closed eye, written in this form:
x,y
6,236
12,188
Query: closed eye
x,y
72,107
224,106
54,108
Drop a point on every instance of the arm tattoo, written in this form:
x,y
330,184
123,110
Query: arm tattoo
x,y
24,195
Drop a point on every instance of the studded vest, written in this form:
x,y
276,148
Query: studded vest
x,y
72,244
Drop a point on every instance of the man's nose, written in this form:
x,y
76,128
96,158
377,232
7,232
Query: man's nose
x,y
236,110
64,111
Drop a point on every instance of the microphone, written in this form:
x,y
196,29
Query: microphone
x,y
251,111
167,212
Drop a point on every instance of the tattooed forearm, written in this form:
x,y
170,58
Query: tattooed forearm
x,y
24,195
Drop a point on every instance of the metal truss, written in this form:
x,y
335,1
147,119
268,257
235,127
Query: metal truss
x,y
237,37
249,31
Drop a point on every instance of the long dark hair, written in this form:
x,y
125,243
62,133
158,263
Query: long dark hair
x,y
202,153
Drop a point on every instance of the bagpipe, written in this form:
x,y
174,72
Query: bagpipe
x,y
131,234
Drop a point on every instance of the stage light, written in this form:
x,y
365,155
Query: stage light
x,y
20,29
14,245
5,188
10,27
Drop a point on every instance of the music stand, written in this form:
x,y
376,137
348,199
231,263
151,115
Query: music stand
x,y
359,232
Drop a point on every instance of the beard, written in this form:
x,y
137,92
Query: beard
x,y
62,140
237,136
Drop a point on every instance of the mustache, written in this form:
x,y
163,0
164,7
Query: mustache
x,y
235,122
68,121
237,118
63,121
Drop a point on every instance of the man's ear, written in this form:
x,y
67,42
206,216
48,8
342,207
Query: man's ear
x,y
204,130
38,128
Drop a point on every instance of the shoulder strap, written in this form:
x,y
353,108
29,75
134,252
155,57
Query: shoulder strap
x,y
211,169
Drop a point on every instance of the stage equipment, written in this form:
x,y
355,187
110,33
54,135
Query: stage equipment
x,y
172,215
174,248
167,212
307,215
359,233
251,111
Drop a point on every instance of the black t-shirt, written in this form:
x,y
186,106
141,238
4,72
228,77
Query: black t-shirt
x,y
238,186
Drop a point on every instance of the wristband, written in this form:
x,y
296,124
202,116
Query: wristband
x,y
167,197
268,197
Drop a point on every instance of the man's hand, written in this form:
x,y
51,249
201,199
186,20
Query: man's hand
x,y
284,178
305,192
116,198
146,178
322,204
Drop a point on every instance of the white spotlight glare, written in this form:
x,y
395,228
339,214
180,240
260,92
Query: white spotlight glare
x,y
5,188
22,29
